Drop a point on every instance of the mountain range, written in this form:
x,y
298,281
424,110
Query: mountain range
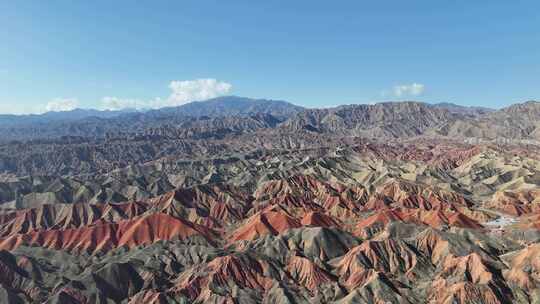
x,y
381,120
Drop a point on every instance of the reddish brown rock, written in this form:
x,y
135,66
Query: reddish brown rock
x,y
264,222
130,233
307,273
516,203
319,220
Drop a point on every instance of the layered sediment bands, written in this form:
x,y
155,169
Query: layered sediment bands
x,y
143,230
319,219
524,267
438,218
516,203
265,222
388,256
242,271
308,274
480,281
213,206
425,221
66,216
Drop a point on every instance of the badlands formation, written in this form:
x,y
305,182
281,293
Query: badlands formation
x,y
392,203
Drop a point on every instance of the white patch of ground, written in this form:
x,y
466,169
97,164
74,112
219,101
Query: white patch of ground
x,y
501,221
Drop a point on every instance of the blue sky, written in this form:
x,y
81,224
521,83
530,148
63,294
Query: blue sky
x,y
109,54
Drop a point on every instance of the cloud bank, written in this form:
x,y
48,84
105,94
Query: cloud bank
x,y
195,90
115,103
413,89
182,92
62,104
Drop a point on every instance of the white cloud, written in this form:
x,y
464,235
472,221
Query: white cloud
x,y
62,104
413,89
115,103
183,91
195,90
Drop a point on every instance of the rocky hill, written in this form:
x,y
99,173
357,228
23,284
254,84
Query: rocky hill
x,y
463,110
391,120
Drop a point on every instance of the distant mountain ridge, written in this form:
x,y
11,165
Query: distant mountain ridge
x,y
73,115
228,115
235,106
466,110
393,119
95,123
215,107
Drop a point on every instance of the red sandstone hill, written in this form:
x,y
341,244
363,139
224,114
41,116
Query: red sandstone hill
x,y
411,195
307,273
388,256
438,218
65,216
143,230
213,206
516,203
243,271
525,267
354,223
476,281
265,222
319,220
434,218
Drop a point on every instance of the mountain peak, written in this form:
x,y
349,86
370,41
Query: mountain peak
x,y
235,105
